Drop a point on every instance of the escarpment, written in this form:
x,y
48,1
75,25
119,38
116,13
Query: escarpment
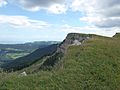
x,y
73,39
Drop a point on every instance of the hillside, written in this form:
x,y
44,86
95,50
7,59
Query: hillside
x,y
94,64
29,59
9,52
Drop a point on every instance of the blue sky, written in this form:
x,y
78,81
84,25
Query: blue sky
x,y
52,20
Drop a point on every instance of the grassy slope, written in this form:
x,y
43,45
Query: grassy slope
x,y
93,66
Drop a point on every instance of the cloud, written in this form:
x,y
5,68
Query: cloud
x,y
103,22
103,14
90,30
57,9
22,22
53,6
3,3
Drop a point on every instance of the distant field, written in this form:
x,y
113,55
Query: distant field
x,y
16,55
11,53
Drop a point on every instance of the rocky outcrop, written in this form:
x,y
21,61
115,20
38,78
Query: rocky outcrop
x,y
73,39
117,35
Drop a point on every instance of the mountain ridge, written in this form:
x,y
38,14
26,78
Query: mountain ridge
x,y
92,65
55,54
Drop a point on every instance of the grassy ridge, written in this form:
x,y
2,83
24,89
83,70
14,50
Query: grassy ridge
x,y
92,66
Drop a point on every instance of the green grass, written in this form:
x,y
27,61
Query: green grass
x,y
15,55
12,53
92,66
12,56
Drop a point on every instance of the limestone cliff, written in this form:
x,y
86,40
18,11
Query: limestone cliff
x,y
73,39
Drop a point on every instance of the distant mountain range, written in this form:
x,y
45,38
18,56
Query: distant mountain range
x,y
29,45
23,42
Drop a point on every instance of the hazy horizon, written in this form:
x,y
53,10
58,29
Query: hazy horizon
x,y
23,42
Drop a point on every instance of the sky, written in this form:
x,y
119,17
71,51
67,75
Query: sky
x,y
52,20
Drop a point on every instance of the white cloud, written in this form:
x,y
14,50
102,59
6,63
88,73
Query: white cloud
x,y
22,22
57,9
3,3
52,6
100,13
90,30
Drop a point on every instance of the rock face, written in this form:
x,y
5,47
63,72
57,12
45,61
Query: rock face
x,y
23,74
117,35
76,42
73,39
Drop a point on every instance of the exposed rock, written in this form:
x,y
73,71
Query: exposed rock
x,y
73,39
76,42
88,37
117,35
23,74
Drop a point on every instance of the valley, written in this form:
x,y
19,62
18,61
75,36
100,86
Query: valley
x,y
10,52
